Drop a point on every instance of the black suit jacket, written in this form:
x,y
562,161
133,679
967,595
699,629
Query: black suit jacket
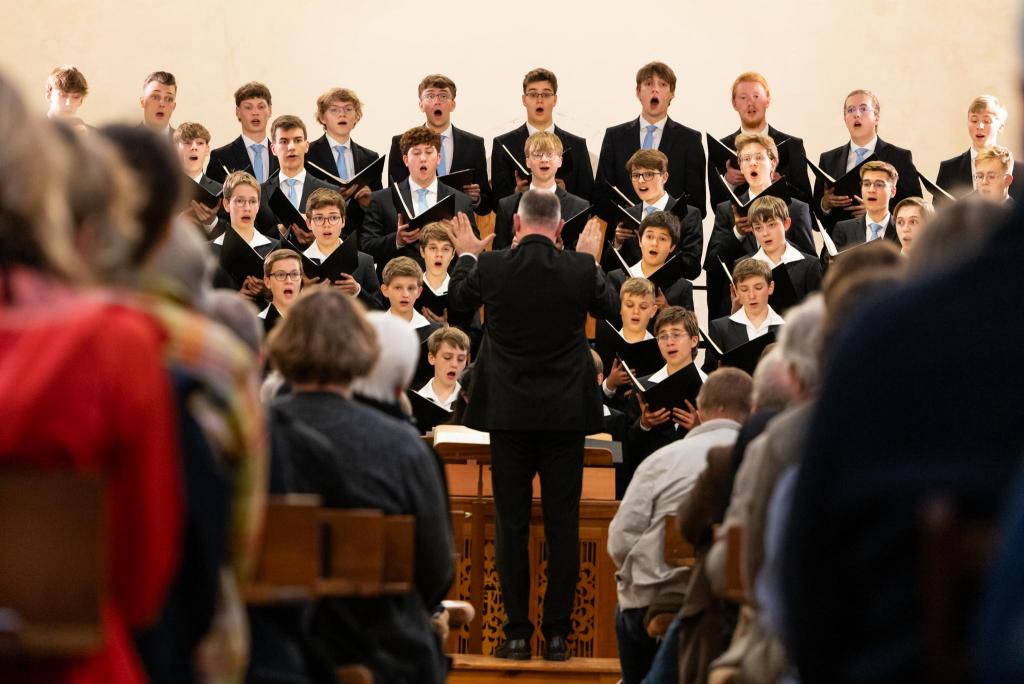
x,y
854,231
236,158
504,228
321,154
535,371
503,180
723,245
681,144
381,223
266,221
833,163
955,177
792,165
468,152
690,247
727,334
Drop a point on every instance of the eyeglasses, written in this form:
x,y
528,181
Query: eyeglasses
x,y
539,94
331,220
335,111
860,109
990,177
748,158
671,336
545,155
281,276
238,202
643,175
436,97
877,185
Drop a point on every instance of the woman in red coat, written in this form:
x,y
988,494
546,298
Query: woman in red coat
x,y
83,388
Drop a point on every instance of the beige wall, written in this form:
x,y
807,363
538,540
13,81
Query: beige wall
x,y
924,58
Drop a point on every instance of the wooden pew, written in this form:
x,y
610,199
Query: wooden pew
x,y
288,563
53,554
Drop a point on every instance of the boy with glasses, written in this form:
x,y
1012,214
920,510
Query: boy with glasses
x,y
993,175
540,95
325,209
878,183
242,201
543,159
460,150
282,275
986,119
861,112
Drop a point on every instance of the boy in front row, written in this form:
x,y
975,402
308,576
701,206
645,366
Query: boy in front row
x,y
752,279
325,209
448,353
878,182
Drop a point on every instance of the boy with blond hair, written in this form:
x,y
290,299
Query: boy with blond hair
x,y
282,276
543,159
769,223
250,151
653,129
192,141
460,150
241,199
861,113
993,173
986,119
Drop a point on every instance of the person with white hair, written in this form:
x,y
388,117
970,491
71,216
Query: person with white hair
x,y
384,386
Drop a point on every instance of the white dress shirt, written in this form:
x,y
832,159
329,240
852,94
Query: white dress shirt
x,y
867,226
418,320
851,159
300,177
427,392
442,289
791,255
414,195
350,161
258,239
753,332
264,156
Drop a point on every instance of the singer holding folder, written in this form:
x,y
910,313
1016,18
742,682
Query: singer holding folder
x,y
534,392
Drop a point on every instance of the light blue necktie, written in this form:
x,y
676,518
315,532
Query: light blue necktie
x,y
292,197
342,162
649,137
876,230
257,162
650,210
442,164
421,204
861,152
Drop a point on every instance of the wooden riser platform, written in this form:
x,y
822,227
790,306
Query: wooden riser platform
x,y
476,669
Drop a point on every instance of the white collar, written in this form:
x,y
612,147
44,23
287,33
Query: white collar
x,y
636,270
263,314
198,178
442,290
884,222
313,251
531,130
414,186
258,239
418,320
553,188
772,319
427,392
446,132
334,142
644,123
763,131
659,205
870,147
249,142
300,176
647,334
791,255
662,374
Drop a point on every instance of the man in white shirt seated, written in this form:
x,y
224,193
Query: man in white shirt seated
x,y
636,536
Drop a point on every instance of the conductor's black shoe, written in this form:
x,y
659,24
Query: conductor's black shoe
x,y
557,648
513,649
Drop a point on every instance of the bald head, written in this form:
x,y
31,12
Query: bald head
x,y
539,212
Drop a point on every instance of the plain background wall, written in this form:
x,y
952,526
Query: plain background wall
x,y
925,59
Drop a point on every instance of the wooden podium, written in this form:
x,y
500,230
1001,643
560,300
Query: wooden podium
x,y
476,574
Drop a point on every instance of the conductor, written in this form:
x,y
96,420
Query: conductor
x,y
534,392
